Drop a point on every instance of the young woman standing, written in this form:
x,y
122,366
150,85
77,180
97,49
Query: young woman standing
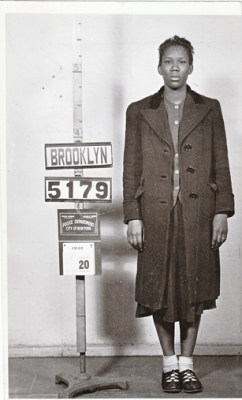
x,y
177,198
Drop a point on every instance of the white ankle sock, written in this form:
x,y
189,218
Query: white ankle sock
x,y
185,363
170,363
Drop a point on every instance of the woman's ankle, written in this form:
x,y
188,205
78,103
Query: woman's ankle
x,y
170,363
185,363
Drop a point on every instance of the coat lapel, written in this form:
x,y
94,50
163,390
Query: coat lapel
x,y
193,114
158,121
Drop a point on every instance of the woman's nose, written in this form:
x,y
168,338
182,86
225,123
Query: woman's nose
x,y
175,67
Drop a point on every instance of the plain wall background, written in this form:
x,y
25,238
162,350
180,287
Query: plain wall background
x,y
120,57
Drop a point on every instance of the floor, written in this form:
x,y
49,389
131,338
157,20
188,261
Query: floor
x,y
221,376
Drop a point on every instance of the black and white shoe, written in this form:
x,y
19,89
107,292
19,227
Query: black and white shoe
x,y
189,381
171,381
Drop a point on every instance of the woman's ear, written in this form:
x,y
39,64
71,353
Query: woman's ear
x,y
190,69
160,70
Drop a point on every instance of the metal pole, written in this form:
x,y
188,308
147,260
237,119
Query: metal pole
x,y
81,321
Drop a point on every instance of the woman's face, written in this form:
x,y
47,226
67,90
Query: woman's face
x,y
175,67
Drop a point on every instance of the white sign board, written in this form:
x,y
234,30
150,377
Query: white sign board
x,y
78,189
78,155
78,258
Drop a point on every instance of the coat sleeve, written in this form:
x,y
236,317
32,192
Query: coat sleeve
x,y
132,165
224,195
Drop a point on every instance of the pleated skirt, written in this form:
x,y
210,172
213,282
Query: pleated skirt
x,y
177,307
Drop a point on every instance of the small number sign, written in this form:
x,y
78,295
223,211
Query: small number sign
x,y
78,189
78,258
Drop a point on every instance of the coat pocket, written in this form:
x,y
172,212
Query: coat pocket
x,y
209,199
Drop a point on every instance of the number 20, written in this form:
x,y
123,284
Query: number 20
x,y
83,264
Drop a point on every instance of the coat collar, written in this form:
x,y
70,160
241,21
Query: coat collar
x,y
194,111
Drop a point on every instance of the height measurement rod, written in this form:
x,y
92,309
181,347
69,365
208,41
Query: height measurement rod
x,y
78,137
77,85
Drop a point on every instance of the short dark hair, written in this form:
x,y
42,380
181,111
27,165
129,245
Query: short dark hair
x,y
176,41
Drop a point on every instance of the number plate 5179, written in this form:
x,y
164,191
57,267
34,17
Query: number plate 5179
x,y
78,189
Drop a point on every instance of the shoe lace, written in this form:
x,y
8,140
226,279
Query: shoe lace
x,y
189,376
174,376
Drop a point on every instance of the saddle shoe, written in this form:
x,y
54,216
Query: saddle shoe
x,y
171,381
189,381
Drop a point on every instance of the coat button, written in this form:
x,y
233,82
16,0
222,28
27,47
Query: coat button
x,y
188,147
190,170
193,196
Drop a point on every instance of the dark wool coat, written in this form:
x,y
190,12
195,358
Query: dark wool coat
x,y
205,186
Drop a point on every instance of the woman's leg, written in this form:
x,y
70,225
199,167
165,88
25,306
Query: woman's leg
x,y
170,376
165,331
189,333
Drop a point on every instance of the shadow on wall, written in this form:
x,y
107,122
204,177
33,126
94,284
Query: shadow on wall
x,y
115,319
115,303
229,95
115,290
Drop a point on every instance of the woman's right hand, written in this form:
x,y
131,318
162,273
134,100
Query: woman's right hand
x,y
135,234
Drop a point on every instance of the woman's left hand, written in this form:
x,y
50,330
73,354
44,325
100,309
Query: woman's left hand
x,y
220,230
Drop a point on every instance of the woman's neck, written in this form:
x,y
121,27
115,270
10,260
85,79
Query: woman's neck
x,y
175,96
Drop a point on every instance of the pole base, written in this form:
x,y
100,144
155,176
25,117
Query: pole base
x,y
83,383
